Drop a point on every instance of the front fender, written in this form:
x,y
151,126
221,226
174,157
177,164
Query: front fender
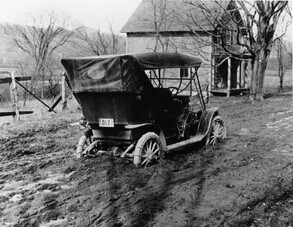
x,y
206,121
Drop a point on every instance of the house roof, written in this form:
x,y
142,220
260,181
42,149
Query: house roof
x,y
174,16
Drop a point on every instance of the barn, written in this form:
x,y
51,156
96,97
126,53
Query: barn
x,y
179,26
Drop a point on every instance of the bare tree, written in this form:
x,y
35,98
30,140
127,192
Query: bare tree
x,y
53,73
198,42
25,71
254,31
284,59
158,20
98,43
40,40
281,67
162,22
289,54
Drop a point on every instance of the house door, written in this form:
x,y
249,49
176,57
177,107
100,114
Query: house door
x,y
234,67
221,73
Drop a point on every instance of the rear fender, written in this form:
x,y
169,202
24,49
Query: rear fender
x,y
206,120
137,130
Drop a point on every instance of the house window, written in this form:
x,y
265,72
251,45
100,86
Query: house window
x,y
183,72
227,35
229,38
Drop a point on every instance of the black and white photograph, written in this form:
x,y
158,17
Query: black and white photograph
x,y
146,113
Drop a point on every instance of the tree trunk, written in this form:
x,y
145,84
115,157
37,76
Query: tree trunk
x,y
63,93
281,83
259,65
34,82
42,87
281,67
254,73
25,94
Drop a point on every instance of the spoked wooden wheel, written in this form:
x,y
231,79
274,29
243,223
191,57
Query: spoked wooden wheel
x,y
149,148
217,131
83,143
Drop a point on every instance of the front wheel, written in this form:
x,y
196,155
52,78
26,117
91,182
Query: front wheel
x,y
148,149
217,131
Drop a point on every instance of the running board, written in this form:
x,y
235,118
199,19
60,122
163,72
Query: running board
x,y
185,143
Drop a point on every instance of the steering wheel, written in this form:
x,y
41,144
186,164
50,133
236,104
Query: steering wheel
x,y
174,90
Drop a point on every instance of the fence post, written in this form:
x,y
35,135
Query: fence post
x,y
213,75
238,77
14,98
63,92
229,78
242,74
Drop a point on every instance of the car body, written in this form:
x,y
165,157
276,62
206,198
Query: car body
x,y
140,106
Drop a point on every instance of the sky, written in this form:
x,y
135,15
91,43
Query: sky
x,y
91,13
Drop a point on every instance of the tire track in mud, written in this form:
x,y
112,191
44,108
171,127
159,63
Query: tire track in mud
x,y
149,189
153,200
187,176
114,193
32,153
222,186
266,149
129,200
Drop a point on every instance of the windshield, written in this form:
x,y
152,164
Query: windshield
x,y
180,79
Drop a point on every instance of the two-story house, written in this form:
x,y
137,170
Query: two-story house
x,y
179,26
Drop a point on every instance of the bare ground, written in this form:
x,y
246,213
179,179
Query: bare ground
x,y
245,181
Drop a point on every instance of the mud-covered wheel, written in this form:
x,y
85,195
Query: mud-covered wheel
x,y
84,141
149,148
217,131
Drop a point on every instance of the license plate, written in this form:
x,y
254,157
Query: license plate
x,y
106,122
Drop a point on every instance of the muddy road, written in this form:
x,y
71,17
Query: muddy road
x,y
245,181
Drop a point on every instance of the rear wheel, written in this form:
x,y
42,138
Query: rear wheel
x,y
84,141
149,148
217,131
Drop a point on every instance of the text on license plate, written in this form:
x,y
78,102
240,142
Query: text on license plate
x,y
106,122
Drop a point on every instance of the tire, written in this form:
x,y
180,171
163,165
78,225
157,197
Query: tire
x,y
84,141
217,131
148,149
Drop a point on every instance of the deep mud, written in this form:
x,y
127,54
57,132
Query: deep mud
x,y
245,181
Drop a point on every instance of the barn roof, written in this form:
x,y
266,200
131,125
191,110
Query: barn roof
x,y
174,16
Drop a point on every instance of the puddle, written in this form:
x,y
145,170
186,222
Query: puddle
x,y
18,186
16,198
54,223
244,131
7,224
65,186
286,122
287,153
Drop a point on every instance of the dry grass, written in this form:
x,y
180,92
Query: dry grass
x,y
271,82
37,107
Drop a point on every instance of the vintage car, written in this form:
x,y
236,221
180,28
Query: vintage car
x,y
140,106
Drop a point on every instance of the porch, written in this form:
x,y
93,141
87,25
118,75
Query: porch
x,y
229,76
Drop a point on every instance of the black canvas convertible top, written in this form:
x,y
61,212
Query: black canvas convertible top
x,y
153,60
114,73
